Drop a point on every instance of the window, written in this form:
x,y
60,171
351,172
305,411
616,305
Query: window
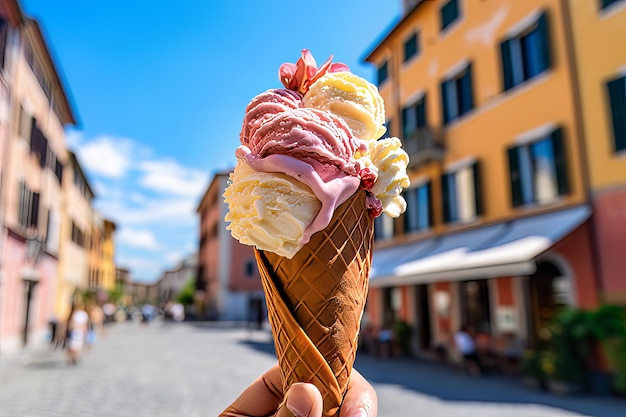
x,y
456,94
38,143
383,227
537,170
413,117
249,268
411,47
29,207
449,13
383,72
78,236
418,214
54,164
460,193
617,101
526,55
606,3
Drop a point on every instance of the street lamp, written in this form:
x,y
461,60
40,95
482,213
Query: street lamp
x,y
30,275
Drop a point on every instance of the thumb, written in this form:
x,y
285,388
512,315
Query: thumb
x,y
302,400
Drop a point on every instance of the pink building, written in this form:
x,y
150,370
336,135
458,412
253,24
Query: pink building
x,y
34,111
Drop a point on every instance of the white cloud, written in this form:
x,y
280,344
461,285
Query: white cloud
x,y
174,257
137,238
169,176
106,155
172,211
141,269
73,138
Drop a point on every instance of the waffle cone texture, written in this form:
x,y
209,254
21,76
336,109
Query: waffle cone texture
x,y
316,299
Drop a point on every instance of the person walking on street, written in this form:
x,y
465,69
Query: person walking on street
x,y
77,332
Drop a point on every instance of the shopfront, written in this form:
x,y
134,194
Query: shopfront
x,y
505,281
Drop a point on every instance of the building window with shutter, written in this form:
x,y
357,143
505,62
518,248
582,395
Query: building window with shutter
x,y
527,54
537,170
607,3
383,71
418,214
449,13
28,207
383,227
456,95
617,101
411,46
414,117
461,194
250,268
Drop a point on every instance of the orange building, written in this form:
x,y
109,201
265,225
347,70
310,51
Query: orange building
x,y
498,111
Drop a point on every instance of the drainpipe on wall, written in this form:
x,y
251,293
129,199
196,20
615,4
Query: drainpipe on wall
x,y
572,63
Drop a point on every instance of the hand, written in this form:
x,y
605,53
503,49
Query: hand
x,y
264,397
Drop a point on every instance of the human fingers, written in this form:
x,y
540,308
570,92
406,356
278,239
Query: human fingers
x,y
302,400
360,399
261,398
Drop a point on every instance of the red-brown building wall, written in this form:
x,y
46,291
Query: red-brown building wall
x,y
609,222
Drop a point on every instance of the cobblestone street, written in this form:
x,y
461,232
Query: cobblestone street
x,y
196,370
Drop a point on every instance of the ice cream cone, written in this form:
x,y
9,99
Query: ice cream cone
x,y
315,302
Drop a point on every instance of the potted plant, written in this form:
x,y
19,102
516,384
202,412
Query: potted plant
x,y
563,360
609,331
402,335
531,371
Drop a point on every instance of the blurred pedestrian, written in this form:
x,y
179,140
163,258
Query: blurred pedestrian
x,y
385,338
467,348
77,332
96,322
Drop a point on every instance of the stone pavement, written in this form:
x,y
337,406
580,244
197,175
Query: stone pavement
x,y
197,369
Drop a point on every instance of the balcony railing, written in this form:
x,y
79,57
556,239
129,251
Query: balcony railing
x,y
424,144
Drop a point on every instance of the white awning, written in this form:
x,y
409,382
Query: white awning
x,y
497,250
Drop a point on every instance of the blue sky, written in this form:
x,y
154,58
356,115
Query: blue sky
x,y
160,88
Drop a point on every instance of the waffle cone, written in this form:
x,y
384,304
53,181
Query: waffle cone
x,y
315,302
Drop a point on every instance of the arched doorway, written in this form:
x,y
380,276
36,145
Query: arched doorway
x,y
549,290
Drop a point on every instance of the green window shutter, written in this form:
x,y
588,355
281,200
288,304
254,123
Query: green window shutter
x,y
543,28
445,198
507,65
421,113
617,100
429,189
34,210
478,195
515,177
383,72
405,118
449,13
444,102
560,162
465,85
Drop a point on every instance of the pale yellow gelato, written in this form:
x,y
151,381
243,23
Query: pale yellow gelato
x,y
269,210
388,159
352,98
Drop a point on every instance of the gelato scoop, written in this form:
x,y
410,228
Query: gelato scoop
x,y
353,99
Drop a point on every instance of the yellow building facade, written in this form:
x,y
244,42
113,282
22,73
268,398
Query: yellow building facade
x,y
499,228
107,282
597,37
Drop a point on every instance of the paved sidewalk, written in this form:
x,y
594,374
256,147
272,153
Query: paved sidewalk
x,y
196,370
